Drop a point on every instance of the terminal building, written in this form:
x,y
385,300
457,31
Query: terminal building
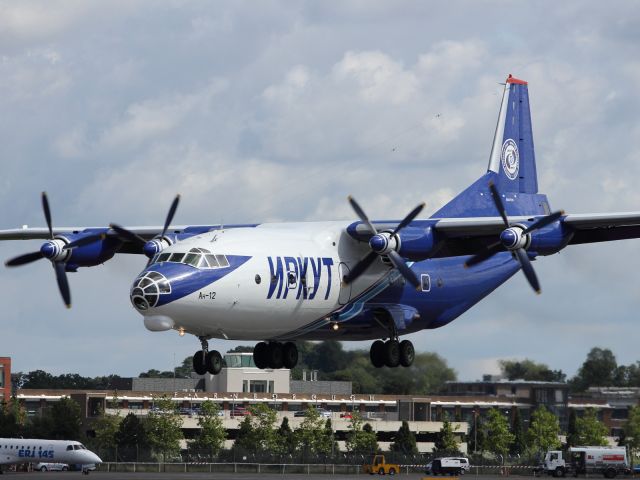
x,y
5,378
241,384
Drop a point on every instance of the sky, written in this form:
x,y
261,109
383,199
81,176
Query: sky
x,y
276,111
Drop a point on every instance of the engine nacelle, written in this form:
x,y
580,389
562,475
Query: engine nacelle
x,y
416,243
95,253
551,239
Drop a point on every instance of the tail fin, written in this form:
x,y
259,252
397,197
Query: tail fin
x,y
512,155
512,165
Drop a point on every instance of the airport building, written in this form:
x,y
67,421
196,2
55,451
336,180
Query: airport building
x,y
5,378
241,384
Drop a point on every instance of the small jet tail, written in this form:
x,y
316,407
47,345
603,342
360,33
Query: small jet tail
x,y
512,164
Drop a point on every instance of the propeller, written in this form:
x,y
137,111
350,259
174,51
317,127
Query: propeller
x,y
514,238
53,250
150,248
383,243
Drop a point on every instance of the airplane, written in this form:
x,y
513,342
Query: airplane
x,y
278,283
26,450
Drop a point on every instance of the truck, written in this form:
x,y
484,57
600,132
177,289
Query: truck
x,y
609,461
381,467
448,466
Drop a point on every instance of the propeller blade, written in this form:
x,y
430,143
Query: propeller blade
x,y
543,222
47,213
81,242
498,201
172,212
527,269
362,215
63,284
406,272
485,254
409,218
360,267
127,235
24,259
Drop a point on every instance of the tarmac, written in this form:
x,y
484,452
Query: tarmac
x,y
232,476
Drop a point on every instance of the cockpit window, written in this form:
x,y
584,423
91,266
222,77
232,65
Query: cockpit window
x,y
69,447
200,258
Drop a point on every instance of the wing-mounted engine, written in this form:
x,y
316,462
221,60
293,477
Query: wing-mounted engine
x,y
70,251
551,239
390,244
157,244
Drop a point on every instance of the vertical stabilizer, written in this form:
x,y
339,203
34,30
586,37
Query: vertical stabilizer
x,y
512,155
512,164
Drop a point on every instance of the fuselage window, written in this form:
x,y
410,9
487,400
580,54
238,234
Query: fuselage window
x,y
425,282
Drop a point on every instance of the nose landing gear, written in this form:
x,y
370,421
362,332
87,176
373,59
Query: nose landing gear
x,y
207,361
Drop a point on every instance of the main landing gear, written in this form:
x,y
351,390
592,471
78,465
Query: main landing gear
x,y
275,355
392,353
207,361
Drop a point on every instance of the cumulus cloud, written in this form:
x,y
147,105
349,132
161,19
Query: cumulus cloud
x,y
268,112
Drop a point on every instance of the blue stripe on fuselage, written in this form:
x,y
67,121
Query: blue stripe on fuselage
x,y
185,279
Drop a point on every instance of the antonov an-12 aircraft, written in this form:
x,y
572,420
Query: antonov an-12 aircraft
x,y
25,450
365,280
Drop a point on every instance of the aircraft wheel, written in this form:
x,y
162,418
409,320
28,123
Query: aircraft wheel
x,y
377,354
276,356
199,365
290,355
407,353
214,362
261,355
392,353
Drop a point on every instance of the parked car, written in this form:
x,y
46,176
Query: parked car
x,y
346,415
45,467
238,412
322,412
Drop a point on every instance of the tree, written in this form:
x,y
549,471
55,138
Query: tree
x,y
164,428
446,441
598,370
257,431
405,440
519,445
632,430
590,431
309,436
286,444
572,430
131,437
12,418
66,419
530,370
360,439
106,428
498,438
543,431
212,433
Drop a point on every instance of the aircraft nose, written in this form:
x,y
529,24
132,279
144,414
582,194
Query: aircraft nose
x,y
147,288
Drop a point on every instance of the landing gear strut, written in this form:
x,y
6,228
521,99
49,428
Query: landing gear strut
x,y
275,355
207,361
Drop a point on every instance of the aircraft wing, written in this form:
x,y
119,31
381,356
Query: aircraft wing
x,y
27,233
464,236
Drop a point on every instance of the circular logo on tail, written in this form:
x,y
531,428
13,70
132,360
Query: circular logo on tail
x,y
510,159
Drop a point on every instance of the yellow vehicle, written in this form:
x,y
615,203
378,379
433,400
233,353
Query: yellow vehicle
x,y
381,467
